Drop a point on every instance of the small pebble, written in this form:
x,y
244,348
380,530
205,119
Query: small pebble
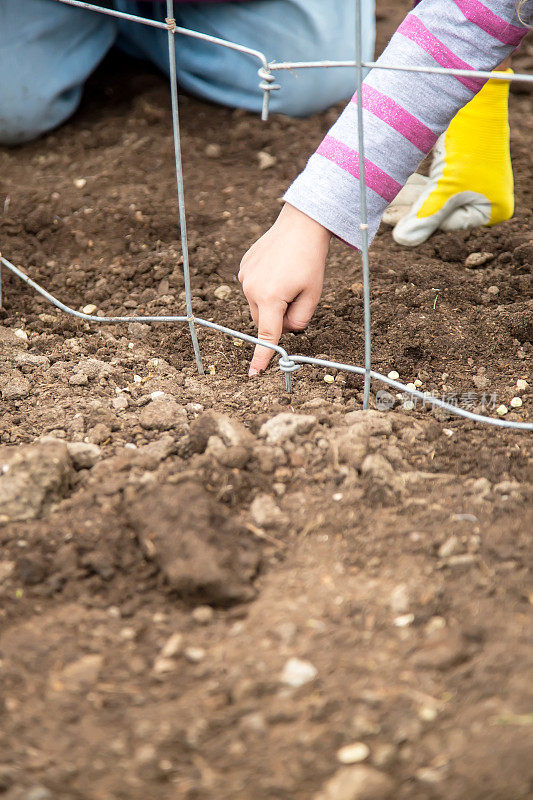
x,y
237,343
213,150
329,379
222,292
172,646
79,183
493,290
353,753
428,713
20,334
404,620
516,402
297,673
502,410
408,405
521,385
203,615
137,379
266,161
410,387
212,369
417,383
393,375
478,259
89,309
195,654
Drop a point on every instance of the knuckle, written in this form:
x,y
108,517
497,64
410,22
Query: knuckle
x,y
298,324
266,335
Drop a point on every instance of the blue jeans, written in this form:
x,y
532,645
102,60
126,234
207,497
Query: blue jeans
x,y
48,50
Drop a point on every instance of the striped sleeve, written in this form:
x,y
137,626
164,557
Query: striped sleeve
x,y
404,113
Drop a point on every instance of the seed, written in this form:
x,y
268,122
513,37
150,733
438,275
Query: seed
x,y
328,378
521,385
516,402
393,375
410,387
417,382
502,410
237,343
212,369
90,309
408,405
79,183
353,753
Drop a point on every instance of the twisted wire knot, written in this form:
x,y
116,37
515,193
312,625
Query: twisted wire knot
x,y
267,80
171,24
288,365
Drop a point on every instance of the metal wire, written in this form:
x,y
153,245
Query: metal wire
x,y
267,83
276,66
287,363
179,180
363,209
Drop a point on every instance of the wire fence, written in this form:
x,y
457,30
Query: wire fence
x,y
288,363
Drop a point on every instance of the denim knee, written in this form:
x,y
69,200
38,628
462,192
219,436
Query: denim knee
x,y
25,116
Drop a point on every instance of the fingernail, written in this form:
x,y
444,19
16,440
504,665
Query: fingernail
x,y
253,371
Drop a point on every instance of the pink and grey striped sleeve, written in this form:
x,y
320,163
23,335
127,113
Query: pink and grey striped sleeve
x,y
404,114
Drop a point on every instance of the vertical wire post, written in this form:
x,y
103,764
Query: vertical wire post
x,y
363,204
179,178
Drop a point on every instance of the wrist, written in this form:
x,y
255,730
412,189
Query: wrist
x,y
309,227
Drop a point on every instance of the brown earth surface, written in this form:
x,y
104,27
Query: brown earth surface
x,y
201,599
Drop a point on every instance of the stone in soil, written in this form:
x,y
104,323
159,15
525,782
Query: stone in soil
x,y
78,675
285,426
15,386
359,782
31,477
297,672
200,550
84,455
162,415
442,650
266,513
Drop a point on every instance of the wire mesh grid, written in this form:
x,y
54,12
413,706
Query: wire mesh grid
x,y
288,363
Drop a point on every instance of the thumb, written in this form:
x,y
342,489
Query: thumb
x,y
269,326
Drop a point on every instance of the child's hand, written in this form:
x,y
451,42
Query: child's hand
x,y
282,276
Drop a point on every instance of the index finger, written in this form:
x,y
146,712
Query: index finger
x,y
269,326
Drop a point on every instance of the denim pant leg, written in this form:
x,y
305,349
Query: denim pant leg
x,y
47,50
295,30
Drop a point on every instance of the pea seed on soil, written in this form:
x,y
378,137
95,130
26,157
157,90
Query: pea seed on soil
x,y
185,612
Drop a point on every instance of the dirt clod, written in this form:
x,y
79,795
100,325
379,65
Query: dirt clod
x,y
200,550
31,478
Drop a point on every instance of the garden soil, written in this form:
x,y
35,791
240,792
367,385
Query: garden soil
x,y
211,589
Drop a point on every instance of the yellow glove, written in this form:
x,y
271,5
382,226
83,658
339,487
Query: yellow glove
x,y
471,177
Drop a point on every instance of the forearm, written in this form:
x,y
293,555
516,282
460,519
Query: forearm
x,y
403,113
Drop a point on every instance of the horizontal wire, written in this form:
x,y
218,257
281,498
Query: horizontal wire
x,y
174,29
288,360
275,66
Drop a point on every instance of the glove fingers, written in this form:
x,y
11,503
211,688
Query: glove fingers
x,y
406,198
463,218
466,209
